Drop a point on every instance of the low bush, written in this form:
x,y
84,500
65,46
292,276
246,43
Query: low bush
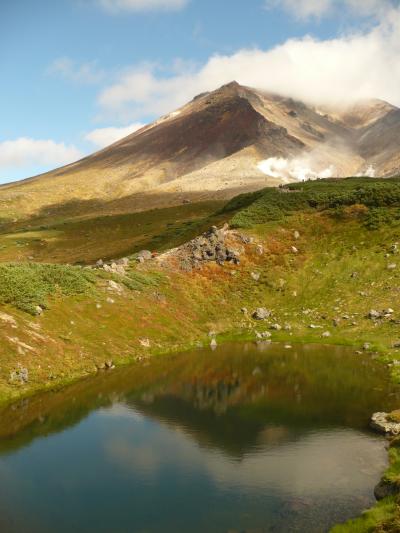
x,y
28,285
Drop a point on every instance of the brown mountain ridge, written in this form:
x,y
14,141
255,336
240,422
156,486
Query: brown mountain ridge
x,y
231,140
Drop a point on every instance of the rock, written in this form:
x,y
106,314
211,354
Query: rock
x,y
276,327
382,423
110,300
244,310
99,263
261,313
124,261
294,249
21,375
263,335
98,306
213,343
109,364
145,255
314,326
394,249
287,327
396,344
114,286
260,249
144,342
366,346
391,266
384,489
326,334
373,314
38,310
115,269
255,276
296,235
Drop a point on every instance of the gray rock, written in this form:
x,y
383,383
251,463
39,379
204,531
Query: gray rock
x,y
296,235
21,376
366,346
255,276
276,327
124,261
391,266
381,423
373,314
261,313
326,334
145,255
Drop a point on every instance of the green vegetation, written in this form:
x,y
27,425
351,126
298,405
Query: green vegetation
x,y
336,274
27,286
383,517
333,194
85,240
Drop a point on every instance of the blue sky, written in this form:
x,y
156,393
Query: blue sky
x,y
78,74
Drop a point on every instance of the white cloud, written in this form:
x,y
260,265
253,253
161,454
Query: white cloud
x,y
115,6
26,152
341,70
304,9
102,137
78,73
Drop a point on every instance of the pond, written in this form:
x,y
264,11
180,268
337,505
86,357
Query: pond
x,y
245,438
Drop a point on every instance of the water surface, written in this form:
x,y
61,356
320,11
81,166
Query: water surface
x,y
254,438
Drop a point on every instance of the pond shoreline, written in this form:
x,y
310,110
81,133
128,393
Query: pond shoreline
x,y
221,339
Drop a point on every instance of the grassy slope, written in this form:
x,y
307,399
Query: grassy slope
x,y
340,270
84,240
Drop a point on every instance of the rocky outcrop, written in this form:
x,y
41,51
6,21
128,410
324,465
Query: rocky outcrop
x,y
383,423
218,245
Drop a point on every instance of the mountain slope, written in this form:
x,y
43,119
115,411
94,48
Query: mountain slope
x,y
212,148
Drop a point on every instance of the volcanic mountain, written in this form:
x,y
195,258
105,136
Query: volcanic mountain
x,y
231,140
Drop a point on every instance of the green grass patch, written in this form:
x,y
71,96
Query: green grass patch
x,y
28,285
384,516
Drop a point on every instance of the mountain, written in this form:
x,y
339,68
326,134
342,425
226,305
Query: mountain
x,y
235,139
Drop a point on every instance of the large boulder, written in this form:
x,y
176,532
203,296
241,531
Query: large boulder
x,y
385,423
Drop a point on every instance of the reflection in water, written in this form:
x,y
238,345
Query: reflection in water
x,y
242,438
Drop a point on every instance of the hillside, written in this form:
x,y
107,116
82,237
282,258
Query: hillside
x,y
315,262
235,139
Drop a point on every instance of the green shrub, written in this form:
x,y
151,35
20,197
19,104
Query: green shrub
x,y
28,285
333,194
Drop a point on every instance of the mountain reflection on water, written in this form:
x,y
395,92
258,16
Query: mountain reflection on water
x,y
246,438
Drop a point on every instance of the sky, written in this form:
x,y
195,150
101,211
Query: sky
x,y
77,75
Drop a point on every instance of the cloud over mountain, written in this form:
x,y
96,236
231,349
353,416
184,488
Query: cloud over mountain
x,y
357,65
